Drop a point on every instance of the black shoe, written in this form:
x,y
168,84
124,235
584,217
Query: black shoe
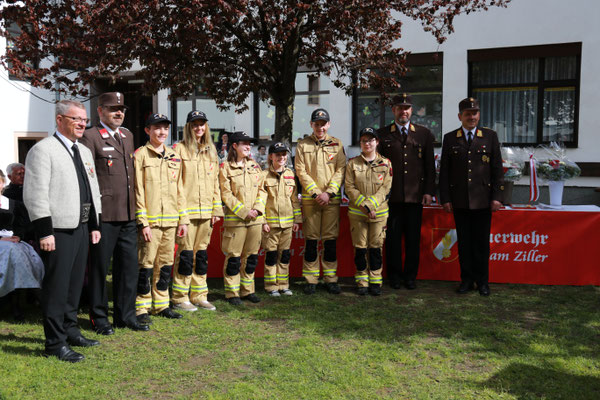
x,y
311,288
484,289
465,287
334,288
144,319
375,290
395,285
362,291
252,297
65,354
235,301
80,341
410,284
105,330
168,313
134,325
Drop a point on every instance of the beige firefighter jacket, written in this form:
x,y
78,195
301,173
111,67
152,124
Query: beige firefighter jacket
x,y
320,167
242,190
158,191
200,176
283,208
368,184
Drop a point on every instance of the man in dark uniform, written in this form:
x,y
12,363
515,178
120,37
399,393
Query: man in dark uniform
x,y
112,147
410,148
471,185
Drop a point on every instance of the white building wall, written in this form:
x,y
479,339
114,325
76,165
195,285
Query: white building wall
x,y
523,23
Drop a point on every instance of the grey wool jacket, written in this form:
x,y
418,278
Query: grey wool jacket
x,y
51,188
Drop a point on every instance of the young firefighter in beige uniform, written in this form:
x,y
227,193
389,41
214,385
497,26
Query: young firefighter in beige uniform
x,y
200,175
283,215
160,214
244,200
320,165
367,184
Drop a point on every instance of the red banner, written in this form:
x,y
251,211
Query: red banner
x,y
549,247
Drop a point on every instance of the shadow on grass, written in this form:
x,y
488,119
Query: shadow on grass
x,y
530,382
514,320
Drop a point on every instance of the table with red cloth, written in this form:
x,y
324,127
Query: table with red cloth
x,y
527,245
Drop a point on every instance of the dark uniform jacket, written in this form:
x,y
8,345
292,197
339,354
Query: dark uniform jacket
x,y
412,162
114,166
471,176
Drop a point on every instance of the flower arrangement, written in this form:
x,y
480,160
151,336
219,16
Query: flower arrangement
x,y
557,167
557,170
512,164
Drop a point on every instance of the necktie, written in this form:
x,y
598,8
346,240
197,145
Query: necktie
x,y
470,138
404,135
80,169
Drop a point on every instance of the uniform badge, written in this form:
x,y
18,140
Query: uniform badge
x,y
109,162
485,158
479,133
174,174
380,177
104,133
331,156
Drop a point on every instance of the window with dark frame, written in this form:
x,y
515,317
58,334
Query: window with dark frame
x,y
219,121
424,81
528,95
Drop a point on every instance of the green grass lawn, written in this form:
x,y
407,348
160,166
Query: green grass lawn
x,y
523,342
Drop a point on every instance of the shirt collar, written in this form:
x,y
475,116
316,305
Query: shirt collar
x,y
108,129
466,131
405,126
66,141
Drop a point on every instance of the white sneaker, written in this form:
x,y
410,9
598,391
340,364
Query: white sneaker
x,y
185,306
205,305
274,293
287,292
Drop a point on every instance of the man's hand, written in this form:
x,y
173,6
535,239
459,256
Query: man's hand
x,y
182,230
266,228
47,243
95,236
295,228
214,220
447,207
147,234
427,199
322,199
495,205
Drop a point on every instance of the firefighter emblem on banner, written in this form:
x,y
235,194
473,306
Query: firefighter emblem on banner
x,y
444,244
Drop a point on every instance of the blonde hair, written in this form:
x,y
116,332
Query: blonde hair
x,y
189,138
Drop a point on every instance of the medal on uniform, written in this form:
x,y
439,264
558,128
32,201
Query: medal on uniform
x,y
330,156
174,174
485,158
380,177
110,162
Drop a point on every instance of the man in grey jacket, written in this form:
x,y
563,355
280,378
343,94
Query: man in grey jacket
x,y
63,200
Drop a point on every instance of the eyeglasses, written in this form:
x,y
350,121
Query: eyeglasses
x,y
368,141
77,119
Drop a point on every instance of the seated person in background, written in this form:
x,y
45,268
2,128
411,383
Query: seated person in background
x,y
20,266
16,173
261,157
14,191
